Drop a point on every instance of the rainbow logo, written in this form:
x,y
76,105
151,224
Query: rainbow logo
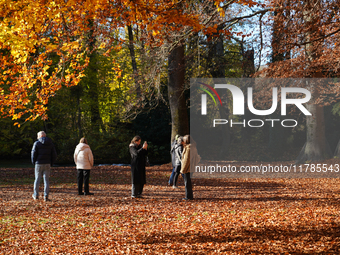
x,y
204,97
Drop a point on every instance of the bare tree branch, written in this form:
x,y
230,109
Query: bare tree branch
x,y
262,12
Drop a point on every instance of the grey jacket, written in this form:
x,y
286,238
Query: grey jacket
x,y
178,154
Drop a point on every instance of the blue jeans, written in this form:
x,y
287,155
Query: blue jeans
x,y
42,170
171,180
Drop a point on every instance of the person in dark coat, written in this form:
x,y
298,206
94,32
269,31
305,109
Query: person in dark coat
x,y
138,160
43,155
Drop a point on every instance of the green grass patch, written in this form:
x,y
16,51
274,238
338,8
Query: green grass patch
x,y
21,163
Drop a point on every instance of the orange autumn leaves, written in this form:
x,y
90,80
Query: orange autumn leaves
x,y
227,216
44,45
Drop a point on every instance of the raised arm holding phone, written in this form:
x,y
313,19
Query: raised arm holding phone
x,y
138,161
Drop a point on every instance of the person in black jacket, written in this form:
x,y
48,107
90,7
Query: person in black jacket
x,y
138,160
43,156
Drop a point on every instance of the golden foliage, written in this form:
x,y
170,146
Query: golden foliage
x,y
44,44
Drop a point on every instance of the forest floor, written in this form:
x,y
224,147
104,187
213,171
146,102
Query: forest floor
x,y
227,216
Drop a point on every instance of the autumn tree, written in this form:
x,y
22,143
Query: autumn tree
x,y
276,137
77,31
218,19
31,31
311,38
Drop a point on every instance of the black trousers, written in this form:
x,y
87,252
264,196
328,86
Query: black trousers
x,y
137,190
188,186
177,172
83,176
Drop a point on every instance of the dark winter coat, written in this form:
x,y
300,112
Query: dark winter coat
x,y
43,151
138,159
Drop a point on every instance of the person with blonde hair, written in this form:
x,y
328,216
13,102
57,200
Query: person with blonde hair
x,y
83,158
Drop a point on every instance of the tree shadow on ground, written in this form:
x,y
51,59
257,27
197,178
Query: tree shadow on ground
x,y
270,239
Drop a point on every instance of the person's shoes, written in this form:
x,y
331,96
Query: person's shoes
x,y
34,197
81,193
46,199
175,187
170,184
186,199
137,196
88,194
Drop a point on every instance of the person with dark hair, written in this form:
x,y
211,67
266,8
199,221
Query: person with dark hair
x,y
138,160
43,155
189,156
178,148
83,158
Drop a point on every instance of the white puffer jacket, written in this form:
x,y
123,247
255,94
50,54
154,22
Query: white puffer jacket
x,y
83,156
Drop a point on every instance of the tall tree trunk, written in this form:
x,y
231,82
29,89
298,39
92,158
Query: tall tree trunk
x,y
133,61
277,138
80,130
248,66
279,36
276,134
176,79
77,92
92,80
216,62
248,63
316,147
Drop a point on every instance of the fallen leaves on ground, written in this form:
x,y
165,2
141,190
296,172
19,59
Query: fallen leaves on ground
x,y
228,216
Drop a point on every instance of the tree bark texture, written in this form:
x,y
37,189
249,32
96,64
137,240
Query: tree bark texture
x,y
133,61
92,80
176,79
316,147
217,69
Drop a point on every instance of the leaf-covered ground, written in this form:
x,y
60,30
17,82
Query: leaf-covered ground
x,y
228,216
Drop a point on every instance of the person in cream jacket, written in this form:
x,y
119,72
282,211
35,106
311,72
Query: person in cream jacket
x,y
189,156
83,158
